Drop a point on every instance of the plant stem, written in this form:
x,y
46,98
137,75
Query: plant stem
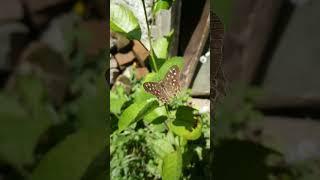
x,y
166,122
149,38
177,145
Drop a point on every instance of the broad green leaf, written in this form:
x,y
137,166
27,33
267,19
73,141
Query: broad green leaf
x,y
187,124
117,99
172,166
156,119
161,147
135,112
157,113
160,48
123,21
158,127
70,159
161,5
170,137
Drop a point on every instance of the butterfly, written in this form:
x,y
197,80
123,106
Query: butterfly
x,y
167,88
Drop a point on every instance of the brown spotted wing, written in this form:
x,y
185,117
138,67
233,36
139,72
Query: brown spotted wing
x,y
167,88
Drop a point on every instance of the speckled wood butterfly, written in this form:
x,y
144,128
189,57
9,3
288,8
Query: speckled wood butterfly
x,y
167,88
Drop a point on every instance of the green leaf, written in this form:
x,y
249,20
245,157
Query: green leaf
x,y
117,99
20,130
123,21
172,166
155,120
161,5
158,127
187,124
135,112
161,147
154,115
70,159
160,49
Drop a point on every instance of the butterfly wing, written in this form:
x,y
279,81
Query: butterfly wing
x,y
171,81
157,90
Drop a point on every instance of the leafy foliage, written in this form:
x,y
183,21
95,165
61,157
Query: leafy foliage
x,y
160,48
123,21
161,5
151,138
118,97
186,124
132,157
172,166
135,112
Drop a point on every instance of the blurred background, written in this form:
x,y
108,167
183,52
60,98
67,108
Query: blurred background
x,y
267,126
53,97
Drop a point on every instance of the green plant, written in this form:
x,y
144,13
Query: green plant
x,y
173,137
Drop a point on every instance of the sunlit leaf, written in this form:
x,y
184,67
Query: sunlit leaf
x,y
123,21
135,112
157,113
160,47
187,124
161,5
117,99
172,166
162,147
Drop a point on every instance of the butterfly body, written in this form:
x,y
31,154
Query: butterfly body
x,y
167,88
